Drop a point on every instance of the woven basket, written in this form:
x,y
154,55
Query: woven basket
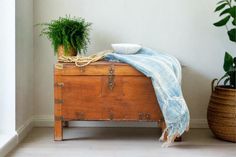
x,y
221,113
61,52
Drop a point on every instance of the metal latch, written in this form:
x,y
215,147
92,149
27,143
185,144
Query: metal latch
x,y
59,84
59,66
58,101
111,77
59,118
111,115
144,116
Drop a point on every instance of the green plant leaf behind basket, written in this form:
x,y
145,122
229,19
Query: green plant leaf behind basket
x,y
228,62
232,34
222,22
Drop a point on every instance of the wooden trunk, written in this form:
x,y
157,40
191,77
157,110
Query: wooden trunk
x,y
103,91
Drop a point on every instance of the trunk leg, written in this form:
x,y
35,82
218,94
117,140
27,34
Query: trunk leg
x,y
163,127
178,139
58,130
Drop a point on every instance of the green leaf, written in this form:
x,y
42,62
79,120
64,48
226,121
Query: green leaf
x,y
232,11
222,22
226,81
232,34
233,79
226,11
220,7
221,1
228,62
234,22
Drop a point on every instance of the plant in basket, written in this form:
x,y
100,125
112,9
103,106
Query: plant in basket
x,y
68,36
230,72
221,111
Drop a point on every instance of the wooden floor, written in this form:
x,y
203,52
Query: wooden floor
x,y
120,142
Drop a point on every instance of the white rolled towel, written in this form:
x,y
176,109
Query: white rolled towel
x,y
126,48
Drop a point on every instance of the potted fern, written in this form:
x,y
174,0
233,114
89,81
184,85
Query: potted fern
x,y
68,36
222,106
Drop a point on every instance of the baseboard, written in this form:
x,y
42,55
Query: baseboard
x,y
16,137
10,141
24,129
47,121
43,121
198,123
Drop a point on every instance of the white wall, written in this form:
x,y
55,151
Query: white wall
x,y
24,62
182,28
7,66
16,69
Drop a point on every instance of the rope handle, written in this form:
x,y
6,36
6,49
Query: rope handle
x,y
213,84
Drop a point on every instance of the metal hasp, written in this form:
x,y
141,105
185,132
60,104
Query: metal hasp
x,y
59,118
144,116
111,76
59,84
58,101
111,115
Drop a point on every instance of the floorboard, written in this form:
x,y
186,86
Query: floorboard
x,y
120,142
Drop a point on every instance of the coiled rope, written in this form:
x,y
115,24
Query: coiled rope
x,y
81,61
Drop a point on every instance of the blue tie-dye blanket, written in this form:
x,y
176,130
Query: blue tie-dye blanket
x,y
165,73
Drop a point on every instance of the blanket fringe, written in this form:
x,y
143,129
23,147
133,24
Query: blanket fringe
x,y
170,137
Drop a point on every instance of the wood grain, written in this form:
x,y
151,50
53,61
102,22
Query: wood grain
x,y
90,95
97,68
58,123
86,95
